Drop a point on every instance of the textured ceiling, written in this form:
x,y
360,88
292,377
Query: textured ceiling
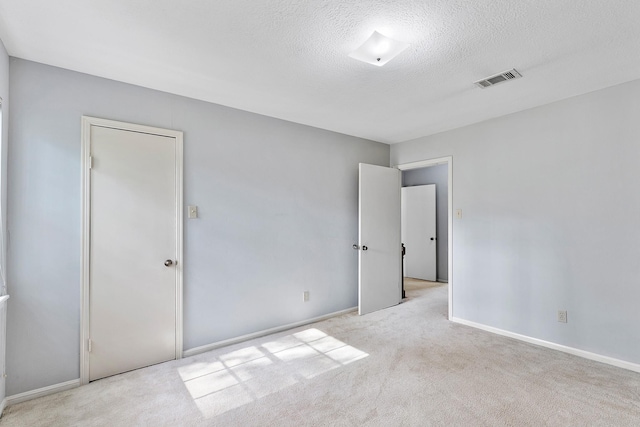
x,y
289,59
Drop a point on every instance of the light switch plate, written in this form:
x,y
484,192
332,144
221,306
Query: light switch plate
x,y
193,212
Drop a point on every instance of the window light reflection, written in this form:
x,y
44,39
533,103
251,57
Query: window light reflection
x,y
243,376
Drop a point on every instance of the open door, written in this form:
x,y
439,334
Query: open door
x,y
380,249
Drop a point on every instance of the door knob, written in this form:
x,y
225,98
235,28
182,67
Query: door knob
x,y
432,238
364,248
356,247
168,263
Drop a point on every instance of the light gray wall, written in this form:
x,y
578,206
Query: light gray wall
x,y
4,138
437,175
277,205
551,220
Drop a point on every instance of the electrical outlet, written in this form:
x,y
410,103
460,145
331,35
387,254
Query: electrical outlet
x,y
562,316
305,296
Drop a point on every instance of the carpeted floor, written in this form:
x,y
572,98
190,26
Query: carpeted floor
x,y
403,366
411,284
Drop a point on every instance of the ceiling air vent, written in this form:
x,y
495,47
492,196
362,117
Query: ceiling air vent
x,y
498,78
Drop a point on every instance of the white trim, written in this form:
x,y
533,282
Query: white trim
x,y
113,124
548,344
85,158
448,160
3,302
87,122
40,392
425,163
179,243
215,345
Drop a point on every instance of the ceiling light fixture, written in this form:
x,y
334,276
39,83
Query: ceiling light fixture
x,y
378,50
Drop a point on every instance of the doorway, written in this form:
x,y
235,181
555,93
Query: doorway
x,y
132,247
433,222
379,235
438,171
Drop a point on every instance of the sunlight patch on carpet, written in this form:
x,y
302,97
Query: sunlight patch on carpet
x,y
246,375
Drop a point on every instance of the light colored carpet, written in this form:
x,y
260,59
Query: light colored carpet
x,y
411,284
403,366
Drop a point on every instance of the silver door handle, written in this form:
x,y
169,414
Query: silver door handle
x,y
168,263
364,248
356,247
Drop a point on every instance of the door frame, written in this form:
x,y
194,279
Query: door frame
x,y
85,234
448,160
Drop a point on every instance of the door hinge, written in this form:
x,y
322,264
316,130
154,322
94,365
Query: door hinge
x,y
89,345
90,162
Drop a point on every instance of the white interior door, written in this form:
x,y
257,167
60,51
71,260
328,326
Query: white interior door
x,y
379,258
133,233
419,231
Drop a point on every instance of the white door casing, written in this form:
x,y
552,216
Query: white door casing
x,y
379,255
132,224
419,231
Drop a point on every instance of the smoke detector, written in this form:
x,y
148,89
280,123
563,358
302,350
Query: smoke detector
x,y
498,78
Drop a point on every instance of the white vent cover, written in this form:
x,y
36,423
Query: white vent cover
x,y
498,78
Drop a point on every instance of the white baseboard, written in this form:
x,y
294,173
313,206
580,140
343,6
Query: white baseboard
x,y
2,406
44,391
548,344
213,346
